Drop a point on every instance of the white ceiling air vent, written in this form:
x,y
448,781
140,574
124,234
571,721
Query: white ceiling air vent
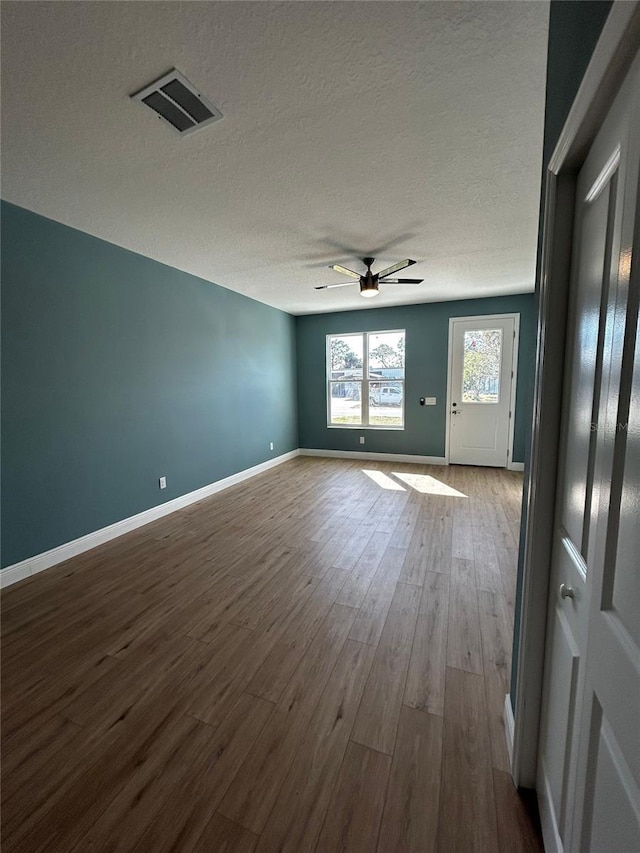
x,y
178,102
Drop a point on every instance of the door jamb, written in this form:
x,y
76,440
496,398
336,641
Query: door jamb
x,y
612,58
512,389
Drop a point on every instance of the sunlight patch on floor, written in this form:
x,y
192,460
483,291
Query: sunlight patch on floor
x,y
384,481
428,485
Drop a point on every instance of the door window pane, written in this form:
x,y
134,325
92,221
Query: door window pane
x,y
482,351
345,404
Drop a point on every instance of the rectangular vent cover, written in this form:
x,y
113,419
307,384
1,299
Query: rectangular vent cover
x,y
178,102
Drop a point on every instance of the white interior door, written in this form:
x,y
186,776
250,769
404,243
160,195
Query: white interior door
x,y
481,369
589,750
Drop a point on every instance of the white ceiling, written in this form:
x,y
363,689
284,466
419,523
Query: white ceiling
x,y
396,129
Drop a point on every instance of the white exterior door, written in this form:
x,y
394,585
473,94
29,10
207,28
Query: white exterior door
x,y
481,369
589,750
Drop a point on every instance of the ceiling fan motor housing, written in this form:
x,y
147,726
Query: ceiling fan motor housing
x,y
368,282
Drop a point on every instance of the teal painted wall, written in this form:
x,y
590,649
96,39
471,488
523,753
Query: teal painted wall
x,y
116,370
427,328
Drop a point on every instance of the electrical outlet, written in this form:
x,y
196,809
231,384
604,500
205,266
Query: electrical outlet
x,y
162,482
270,445
361,439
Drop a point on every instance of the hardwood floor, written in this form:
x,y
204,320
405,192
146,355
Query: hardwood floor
x,y
313,660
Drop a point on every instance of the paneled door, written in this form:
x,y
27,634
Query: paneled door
x,y
589,750
481,370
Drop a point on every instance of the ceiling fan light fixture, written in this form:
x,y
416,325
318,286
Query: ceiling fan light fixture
x,y
369,290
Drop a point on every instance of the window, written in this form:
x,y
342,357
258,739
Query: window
x,y
365,380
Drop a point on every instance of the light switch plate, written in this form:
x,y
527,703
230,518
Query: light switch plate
x,y
429,401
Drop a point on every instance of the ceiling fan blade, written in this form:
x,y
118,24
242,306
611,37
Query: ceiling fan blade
x,y
329,286
403,281
344,271
396,267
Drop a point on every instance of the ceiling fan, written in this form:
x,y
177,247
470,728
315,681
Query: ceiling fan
x,y
369,281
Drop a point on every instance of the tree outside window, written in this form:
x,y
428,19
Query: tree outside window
x,y
481,367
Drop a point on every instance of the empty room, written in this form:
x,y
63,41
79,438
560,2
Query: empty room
x,y
320,426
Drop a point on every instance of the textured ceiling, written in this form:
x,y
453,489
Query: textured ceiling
x,y
395,129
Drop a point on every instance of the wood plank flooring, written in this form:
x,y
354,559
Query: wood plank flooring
x,y
313,660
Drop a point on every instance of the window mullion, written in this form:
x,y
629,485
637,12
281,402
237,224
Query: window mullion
x,y
365,379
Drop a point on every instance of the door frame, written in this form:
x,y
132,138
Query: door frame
x,y
511,465
612,58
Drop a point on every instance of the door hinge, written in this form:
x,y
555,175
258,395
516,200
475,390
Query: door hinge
x,y
509,414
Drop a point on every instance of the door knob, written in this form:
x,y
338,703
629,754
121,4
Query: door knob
x,y
565,591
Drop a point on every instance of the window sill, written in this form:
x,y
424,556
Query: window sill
x,y
360,426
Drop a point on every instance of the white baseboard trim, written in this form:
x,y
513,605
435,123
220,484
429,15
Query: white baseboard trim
x,y
48,559
509,726
15,573
516,466
382,457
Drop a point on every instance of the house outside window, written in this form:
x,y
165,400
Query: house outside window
x,y
365,380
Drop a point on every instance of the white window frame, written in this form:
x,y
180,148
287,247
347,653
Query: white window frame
x,y
365,381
